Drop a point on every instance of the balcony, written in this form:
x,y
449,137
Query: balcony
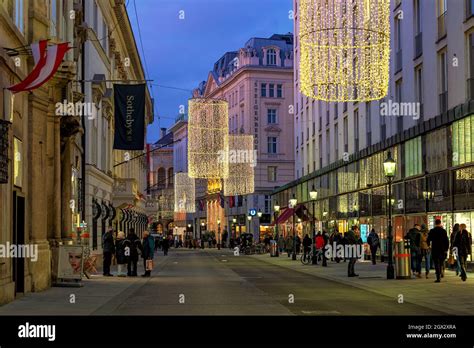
x,y
442,26
418,45
398,61
443,102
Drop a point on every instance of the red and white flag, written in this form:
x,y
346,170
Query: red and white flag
x,y
47,61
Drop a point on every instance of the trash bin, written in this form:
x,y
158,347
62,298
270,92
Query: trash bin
x,y
273,248
402,259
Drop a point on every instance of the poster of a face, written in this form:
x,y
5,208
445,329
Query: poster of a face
x,y
70,262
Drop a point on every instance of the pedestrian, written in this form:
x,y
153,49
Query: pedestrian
x,y
336,238
108,249
425,249
306,246
165,245
374,243
326,241
414,237
289,245
148,252
298,244
214,242
343,241
122,253
135,248
281,243
352,238
439,242
462,248
452,238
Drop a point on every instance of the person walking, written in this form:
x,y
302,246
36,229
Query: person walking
x,y
352,238
439,242
374,243
452,238
165,245
414,236
135,247
463,245
335,238
306,246
148,251
281,243
289,245
108,249
425,249
122,253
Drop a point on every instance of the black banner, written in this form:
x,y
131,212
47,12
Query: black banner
x,y
129,103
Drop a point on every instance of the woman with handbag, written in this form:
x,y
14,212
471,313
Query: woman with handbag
x,y
148,253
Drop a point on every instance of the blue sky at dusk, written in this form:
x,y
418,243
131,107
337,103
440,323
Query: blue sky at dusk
x,y
181,52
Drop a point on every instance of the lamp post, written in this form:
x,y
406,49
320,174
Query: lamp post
x,y
313,195
234,222
218,234
276,209
389,166
292,203
249,218
259,214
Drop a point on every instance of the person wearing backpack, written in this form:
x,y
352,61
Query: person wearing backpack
x,y
374,243
414,236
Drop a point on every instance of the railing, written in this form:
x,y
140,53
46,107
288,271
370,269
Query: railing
x,y
418,45
398,61
443,102
4,136
442,26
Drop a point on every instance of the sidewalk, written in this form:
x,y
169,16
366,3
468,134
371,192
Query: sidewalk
x,y
452,295
98,296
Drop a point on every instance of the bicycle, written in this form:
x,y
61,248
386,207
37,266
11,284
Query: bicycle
x,y
307,258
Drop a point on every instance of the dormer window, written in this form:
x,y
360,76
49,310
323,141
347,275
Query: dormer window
x,y
271,57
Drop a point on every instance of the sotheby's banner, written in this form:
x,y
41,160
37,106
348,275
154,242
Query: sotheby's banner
x,y
129,117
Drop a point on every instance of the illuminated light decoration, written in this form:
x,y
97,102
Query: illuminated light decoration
x,y
184,193
344,49
241,166
208,130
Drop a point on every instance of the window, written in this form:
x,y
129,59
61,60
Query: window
x,y
263,90
53,20
320,114
241,93
398,44
356,130
368,123
161,178
17,162
268,202
419,88
320,150
463,144
272,174
436,150
346,134
272,90
328,147
279,91
19,14
336,141
271,57
170,177
271,116
105,37
398,97
272,145
470,81
418,24
469,8
413,157
443,82
104,149
442,9
95,14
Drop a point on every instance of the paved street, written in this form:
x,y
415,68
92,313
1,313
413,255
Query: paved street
x,y
212,282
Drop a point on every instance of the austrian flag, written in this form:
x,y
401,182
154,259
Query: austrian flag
x,y
47,61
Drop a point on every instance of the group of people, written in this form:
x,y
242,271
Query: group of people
x,y
434,246
127,250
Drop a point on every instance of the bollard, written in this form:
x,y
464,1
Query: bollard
x,y
402,259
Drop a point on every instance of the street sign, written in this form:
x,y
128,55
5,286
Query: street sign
x,y
252,212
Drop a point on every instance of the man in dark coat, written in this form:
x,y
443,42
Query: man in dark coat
x,y
439,242
414,236
108,249
135,246
374,243
148,251
165,245
352,238
463,245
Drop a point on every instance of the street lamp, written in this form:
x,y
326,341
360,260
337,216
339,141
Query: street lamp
x,y
313,195
276,209
218,234
259,214
234,232
389,166
292,203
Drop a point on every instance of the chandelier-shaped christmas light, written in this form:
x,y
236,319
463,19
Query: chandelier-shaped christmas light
x,y
242,162
184,193
345,49
208,130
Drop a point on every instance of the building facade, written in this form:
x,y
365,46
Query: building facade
x,y
340,147
257,82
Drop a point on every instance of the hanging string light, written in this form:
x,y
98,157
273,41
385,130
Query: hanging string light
x,y
344,49
208,129
184,193
241,166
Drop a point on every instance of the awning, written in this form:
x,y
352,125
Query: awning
x,y
285,215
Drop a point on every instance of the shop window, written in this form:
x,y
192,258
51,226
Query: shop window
x,y
413,157
463,145
436,151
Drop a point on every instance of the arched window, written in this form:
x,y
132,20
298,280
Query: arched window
x,y
161,178
271,57
170,177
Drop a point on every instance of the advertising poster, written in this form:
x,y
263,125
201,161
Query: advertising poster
x,y
70,262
